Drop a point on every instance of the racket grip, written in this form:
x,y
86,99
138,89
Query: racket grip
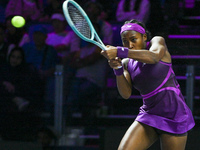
x,y
122,52
119,72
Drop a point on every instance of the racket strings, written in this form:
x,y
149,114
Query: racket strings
x,y
79,21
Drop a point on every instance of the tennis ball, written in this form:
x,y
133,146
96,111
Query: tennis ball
x,y
18,21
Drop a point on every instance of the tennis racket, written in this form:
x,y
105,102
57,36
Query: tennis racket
x,y
80,23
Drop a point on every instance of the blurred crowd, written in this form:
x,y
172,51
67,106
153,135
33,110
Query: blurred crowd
x,y
29,55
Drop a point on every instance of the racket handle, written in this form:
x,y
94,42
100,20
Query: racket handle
x,y
119,72
122,52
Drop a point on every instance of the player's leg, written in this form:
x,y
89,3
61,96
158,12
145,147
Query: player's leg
x,y
138,137
173,142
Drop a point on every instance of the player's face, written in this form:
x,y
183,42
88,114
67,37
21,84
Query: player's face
x,y
133,40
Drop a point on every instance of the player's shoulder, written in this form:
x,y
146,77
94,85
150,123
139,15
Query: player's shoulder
x,y
158,38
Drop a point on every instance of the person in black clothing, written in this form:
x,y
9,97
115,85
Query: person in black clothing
x,y
18,82
19,97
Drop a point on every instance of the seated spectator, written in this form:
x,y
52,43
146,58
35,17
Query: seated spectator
x,y
16,37
56,37
133,9
19,96
3,45
18,82
29,9
44,58
89,79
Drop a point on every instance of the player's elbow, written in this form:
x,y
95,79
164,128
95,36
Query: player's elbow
x,y
155,58
126,95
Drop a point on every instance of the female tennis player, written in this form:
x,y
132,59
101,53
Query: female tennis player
x,y
147,67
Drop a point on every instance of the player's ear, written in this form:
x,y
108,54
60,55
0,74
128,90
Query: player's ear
x,y
144,37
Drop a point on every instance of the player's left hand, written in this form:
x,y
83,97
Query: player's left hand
x,y
110,52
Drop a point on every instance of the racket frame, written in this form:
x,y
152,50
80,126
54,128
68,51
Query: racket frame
x,y
71,24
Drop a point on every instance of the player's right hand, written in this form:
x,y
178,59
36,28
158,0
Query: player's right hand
x,y
110,52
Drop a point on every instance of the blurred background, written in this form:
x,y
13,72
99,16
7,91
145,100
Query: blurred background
x,y
58,93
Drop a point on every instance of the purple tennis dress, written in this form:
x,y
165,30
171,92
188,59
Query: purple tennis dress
x,y
163,104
